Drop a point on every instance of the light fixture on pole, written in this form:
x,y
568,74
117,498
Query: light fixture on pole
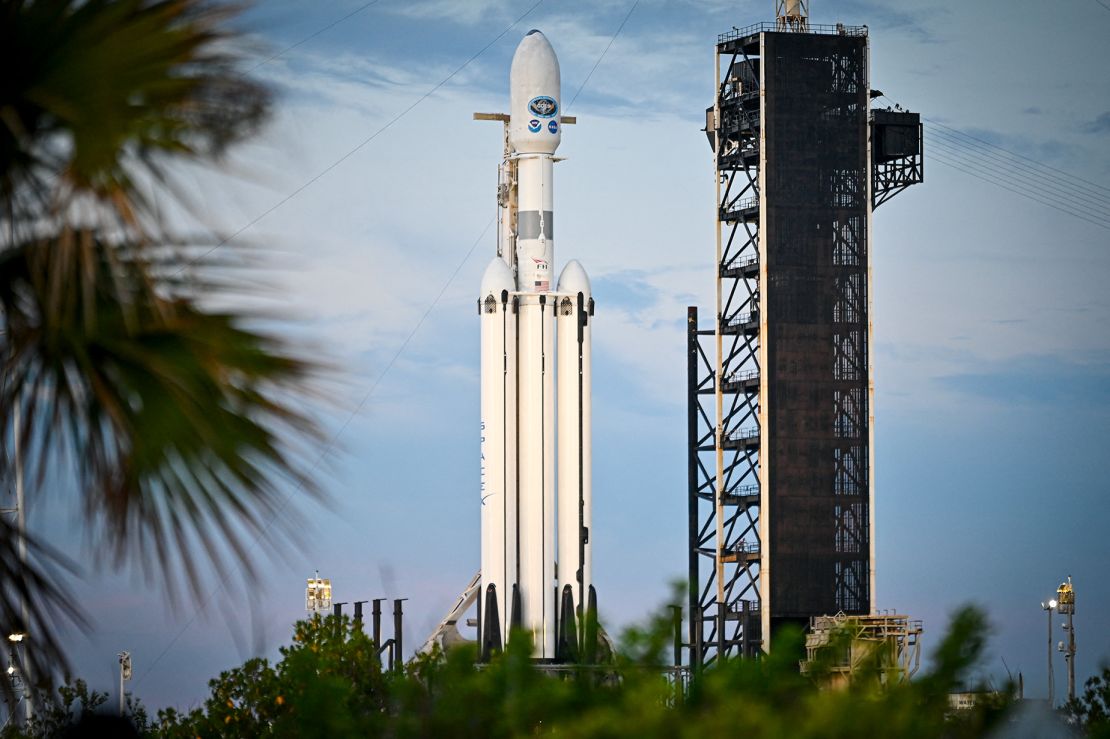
x,y
1049,607
317,595
17,680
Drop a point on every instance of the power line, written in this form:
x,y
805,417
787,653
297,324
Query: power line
x,y
332,441
1091,196
1067,200
335,437
956,160
412,333
368,139
956,164
1021,169
603,53
308,38
1015,154
976,159
1025,194
404,344
1071,179
1058,188
1103,4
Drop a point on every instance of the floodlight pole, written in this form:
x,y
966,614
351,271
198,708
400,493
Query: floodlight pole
x,y
1048,608
124,674
21,527
1069,657
1065,596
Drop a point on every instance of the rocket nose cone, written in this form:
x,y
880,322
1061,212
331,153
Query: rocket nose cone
x,y
535,100
534,39
496,278
573,279
534,56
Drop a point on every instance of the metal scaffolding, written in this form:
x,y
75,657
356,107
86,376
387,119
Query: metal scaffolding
x,y
883,646
779,390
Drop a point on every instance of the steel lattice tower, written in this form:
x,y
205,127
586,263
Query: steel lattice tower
x,y
780,448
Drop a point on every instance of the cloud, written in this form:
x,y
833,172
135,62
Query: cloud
x,y
645,71
950,135
1100,125
468,13
1037,380
628,290
916,24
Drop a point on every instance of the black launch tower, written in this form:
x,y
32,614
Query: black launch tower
x,y
780,394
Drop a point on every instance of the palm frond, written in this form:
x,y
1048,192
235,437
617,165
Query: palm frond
x,y
182,425
179,418
100,94
33,603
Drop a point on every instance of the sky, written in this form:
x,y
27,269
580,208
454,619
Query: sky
x,y
367,204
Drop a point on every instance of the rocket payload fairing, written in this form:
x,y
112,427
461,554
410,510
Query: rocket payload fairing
x,y
535,385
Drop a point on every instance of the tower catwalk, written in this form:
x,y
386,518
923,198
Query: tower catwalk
x,y
780,397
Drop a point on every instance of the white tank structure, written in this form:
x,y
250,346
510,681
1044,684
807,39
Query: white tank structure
x,y
536,467
575,581
535,442
498,442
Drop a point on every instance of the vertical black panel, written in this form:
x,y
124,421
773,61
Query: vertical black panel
x,y
815,102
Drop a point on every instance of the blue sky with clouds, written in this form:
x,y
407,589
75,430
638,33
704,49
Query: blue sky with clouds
x,y
990,309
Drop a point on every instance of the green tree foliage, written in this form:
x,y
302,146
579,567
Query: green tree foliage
x,y
180,424
1091,709
329,683
75,705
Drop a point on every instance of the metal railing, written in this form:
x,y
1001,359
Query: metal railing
x,y
744,491
742,375
744,434
745,547
743,319
745,204
838,29
737,606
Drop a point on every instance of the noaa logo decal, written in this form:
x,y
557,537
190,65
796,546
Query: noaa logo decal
x,y
543,106
553,127
534,126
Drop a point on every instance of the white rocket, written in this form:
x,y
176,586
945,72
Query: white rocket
x,y
535,369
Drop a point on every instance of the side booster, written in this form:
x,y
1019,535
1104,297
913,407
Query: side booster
x,y
535,369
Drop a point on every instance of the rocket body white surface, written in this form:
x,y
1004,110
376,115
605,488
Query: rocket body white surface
x,y
536,482
498,441
534,134
575,492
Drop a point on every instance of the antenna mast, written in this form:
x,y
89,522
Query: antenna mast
x,y
792,15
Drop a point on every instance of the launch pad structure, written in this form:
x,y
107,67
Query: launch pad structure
x,y
780,393
881,645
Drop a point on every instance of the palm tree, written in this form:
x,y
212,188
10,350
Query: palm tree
x,y
179,423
